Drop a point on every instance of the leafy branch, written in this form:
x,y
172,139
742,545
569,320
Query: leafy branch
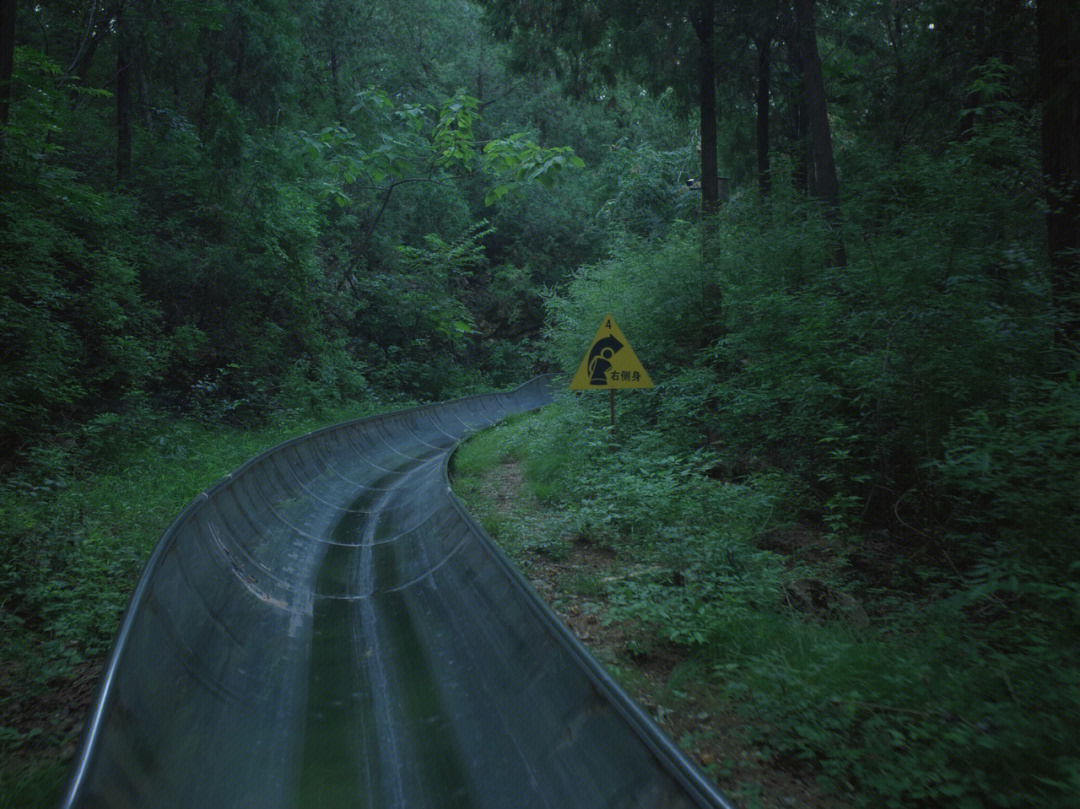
x,y
410,143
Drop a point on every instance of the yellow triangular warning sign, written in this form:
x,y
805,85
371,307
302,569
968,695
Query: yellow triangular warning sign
x,y
610,363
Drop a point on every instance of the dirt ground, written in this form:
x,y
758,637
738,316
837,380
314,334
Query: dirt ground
x,y
49,721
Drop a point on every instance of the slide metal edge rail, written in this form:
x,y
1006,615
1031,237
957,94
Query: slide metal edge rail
x,y
689,776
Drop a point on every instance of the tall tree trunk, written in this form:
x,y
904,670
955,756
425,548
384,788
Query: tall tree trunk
x,y
798,128
332,32
827,187
239,66
1059,75
898,113
85,58
805,178
703,27
144,99
763,46
208,88
334,87
123,99
966,123
7,55
711,300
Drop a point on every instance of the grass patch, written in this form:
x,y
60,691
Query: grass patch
x,y
483,451
492,475
32,785
588,583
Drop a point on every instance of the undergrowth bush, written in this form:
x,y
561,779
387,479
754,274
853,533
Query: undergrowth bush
x,y
916,398
656,292
922,705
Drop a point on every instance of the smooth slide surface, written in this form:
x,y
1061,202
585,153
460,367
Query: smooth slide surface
x,y
327,627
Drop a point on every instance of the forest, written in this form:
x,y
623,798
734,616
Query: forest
x,y
834,550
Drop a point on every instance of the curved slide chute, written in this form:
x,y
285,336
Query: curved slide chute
x,y
327,627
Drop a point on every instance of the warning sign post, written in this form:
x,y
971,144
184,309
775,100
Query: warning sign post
x,y
610,364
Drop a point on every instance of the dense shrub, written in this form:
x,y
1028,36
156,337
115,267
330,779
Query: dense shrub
x,y
915,396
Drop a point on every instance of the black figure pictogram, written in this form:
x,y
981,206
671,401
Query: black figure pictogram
x,y
600,359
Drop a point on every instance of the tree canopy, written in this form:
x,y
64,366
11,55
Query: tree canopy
x,y
845,234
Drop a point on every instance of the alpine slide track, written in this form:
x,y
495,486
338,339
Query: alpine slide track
x,y
328,627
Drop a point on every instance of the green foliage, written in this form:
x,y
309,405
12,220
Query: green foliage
x,y
930,716
921,705
518,160
645,189
410,149
858,373
916,395
240,266
32,786
659,292
76,326
1014,473
288,244
433,275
